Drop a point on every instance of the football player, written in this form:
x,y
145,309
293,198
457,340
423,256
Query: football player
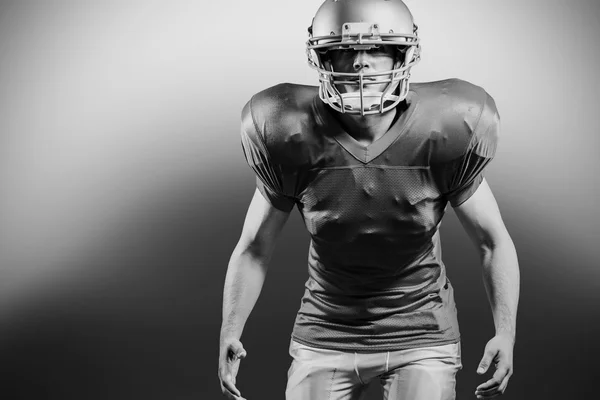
x,y
371,164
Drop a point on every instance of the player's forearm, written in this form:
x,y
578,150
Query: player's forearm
x,y
243,284
501,280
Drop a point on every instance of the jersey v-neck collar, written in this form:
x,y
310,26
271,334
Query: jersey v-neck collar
x,y
362,153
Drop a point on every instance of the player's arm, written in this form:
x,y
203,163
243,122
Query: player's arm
x,y
249,262
481,218
243,283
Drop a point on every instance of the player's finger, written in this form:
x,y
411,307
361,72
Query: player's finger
x,y
504,384
493,391
231,396
485,397
488,393
236,352
494,382
229,385
498,377
486,360
227,393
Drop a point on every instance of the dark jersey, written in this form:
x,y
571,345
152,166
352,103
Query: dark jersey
x,y
376,280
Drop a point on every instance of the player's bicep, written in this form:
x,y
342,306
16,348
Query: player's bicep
x,y
480,216
262,226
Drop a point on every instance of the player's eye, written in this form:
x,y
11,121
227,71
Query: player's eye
x,y
381,49
343,53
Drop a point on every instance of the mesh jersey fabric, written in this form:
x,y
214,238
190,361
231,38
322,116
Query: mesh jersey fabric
x,y
376,279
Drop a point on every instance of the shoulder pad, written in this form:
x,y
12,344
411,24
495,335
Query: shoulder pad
x,y
281,115
465,119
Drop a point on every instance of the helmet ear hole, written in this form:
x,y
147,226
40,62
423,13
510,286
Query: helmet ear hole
x,y
409,55
401,56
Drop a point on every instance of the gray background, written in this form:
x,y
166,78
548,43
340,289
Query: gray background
x,y
123,190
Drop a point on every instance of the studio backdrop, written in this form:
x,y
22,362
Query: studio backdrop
x,y
123,190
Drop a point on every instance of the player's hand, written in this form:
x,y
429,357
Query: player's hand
x,y
231,353
499,350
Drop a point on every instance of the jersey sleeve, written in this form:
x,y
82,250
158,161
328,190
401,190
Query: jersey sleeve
x,y
269,175
459,178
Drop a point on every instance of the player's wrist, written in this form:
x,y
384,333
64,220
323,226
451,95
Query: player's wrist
x,y
507,334
229,335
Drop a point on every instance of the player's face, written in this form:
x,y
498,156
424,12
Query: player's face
x,y
377,59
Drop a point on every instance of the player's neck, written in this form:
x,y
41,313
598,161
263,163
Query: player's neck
x,y
368,128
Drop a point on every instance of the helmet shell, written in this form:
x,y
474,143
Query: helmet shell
x,y
390,16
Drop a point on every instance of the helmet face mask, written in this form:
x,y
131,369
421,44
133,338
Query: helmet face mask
x,y
381,23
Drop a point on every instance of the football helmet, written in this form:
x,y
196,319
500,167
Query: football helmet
x,y
363,25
